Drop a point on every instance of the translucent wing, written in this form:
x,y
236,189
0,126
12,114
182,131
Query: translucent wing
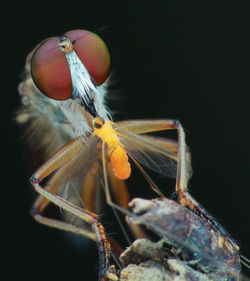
x,y
73,178
81,163
157,154
69,179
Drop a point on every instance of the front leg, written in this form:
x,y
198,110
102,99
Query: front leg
x,y
48,194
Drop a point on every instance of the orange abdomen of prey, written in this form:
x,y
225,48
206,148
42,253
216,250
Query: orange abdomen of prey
x,y
119,163
117,154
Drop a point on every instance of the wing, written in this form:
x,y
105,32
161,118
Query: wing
x,y
81,163
155,153
68,181
79,179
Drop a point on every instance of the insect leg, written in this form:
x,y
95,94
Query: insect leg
x,y
41,203
57,161
146,126
89,217
184,197
120,192
183,155
187,200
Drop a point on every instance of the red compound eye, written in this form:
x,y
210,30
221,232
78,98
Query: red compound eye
x,y
93,53
50,70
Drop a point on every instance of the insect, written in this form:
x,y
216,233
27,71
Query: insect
x,y
63,102
70,114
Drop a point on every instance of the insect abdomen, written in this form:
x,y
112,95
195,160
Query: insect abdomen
x,y
119,162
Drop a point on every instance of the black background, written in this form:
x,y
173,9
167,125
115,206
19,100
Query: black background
x,y
186,60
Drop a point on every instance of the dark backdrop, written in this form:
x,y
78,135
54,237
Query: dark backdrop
x,y
185,60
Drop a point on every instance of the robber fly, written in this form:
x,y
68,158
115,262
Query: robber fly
x,y
63,103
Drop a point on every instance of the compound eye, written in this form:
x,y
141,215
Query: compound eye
x,y
92,52
50,70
